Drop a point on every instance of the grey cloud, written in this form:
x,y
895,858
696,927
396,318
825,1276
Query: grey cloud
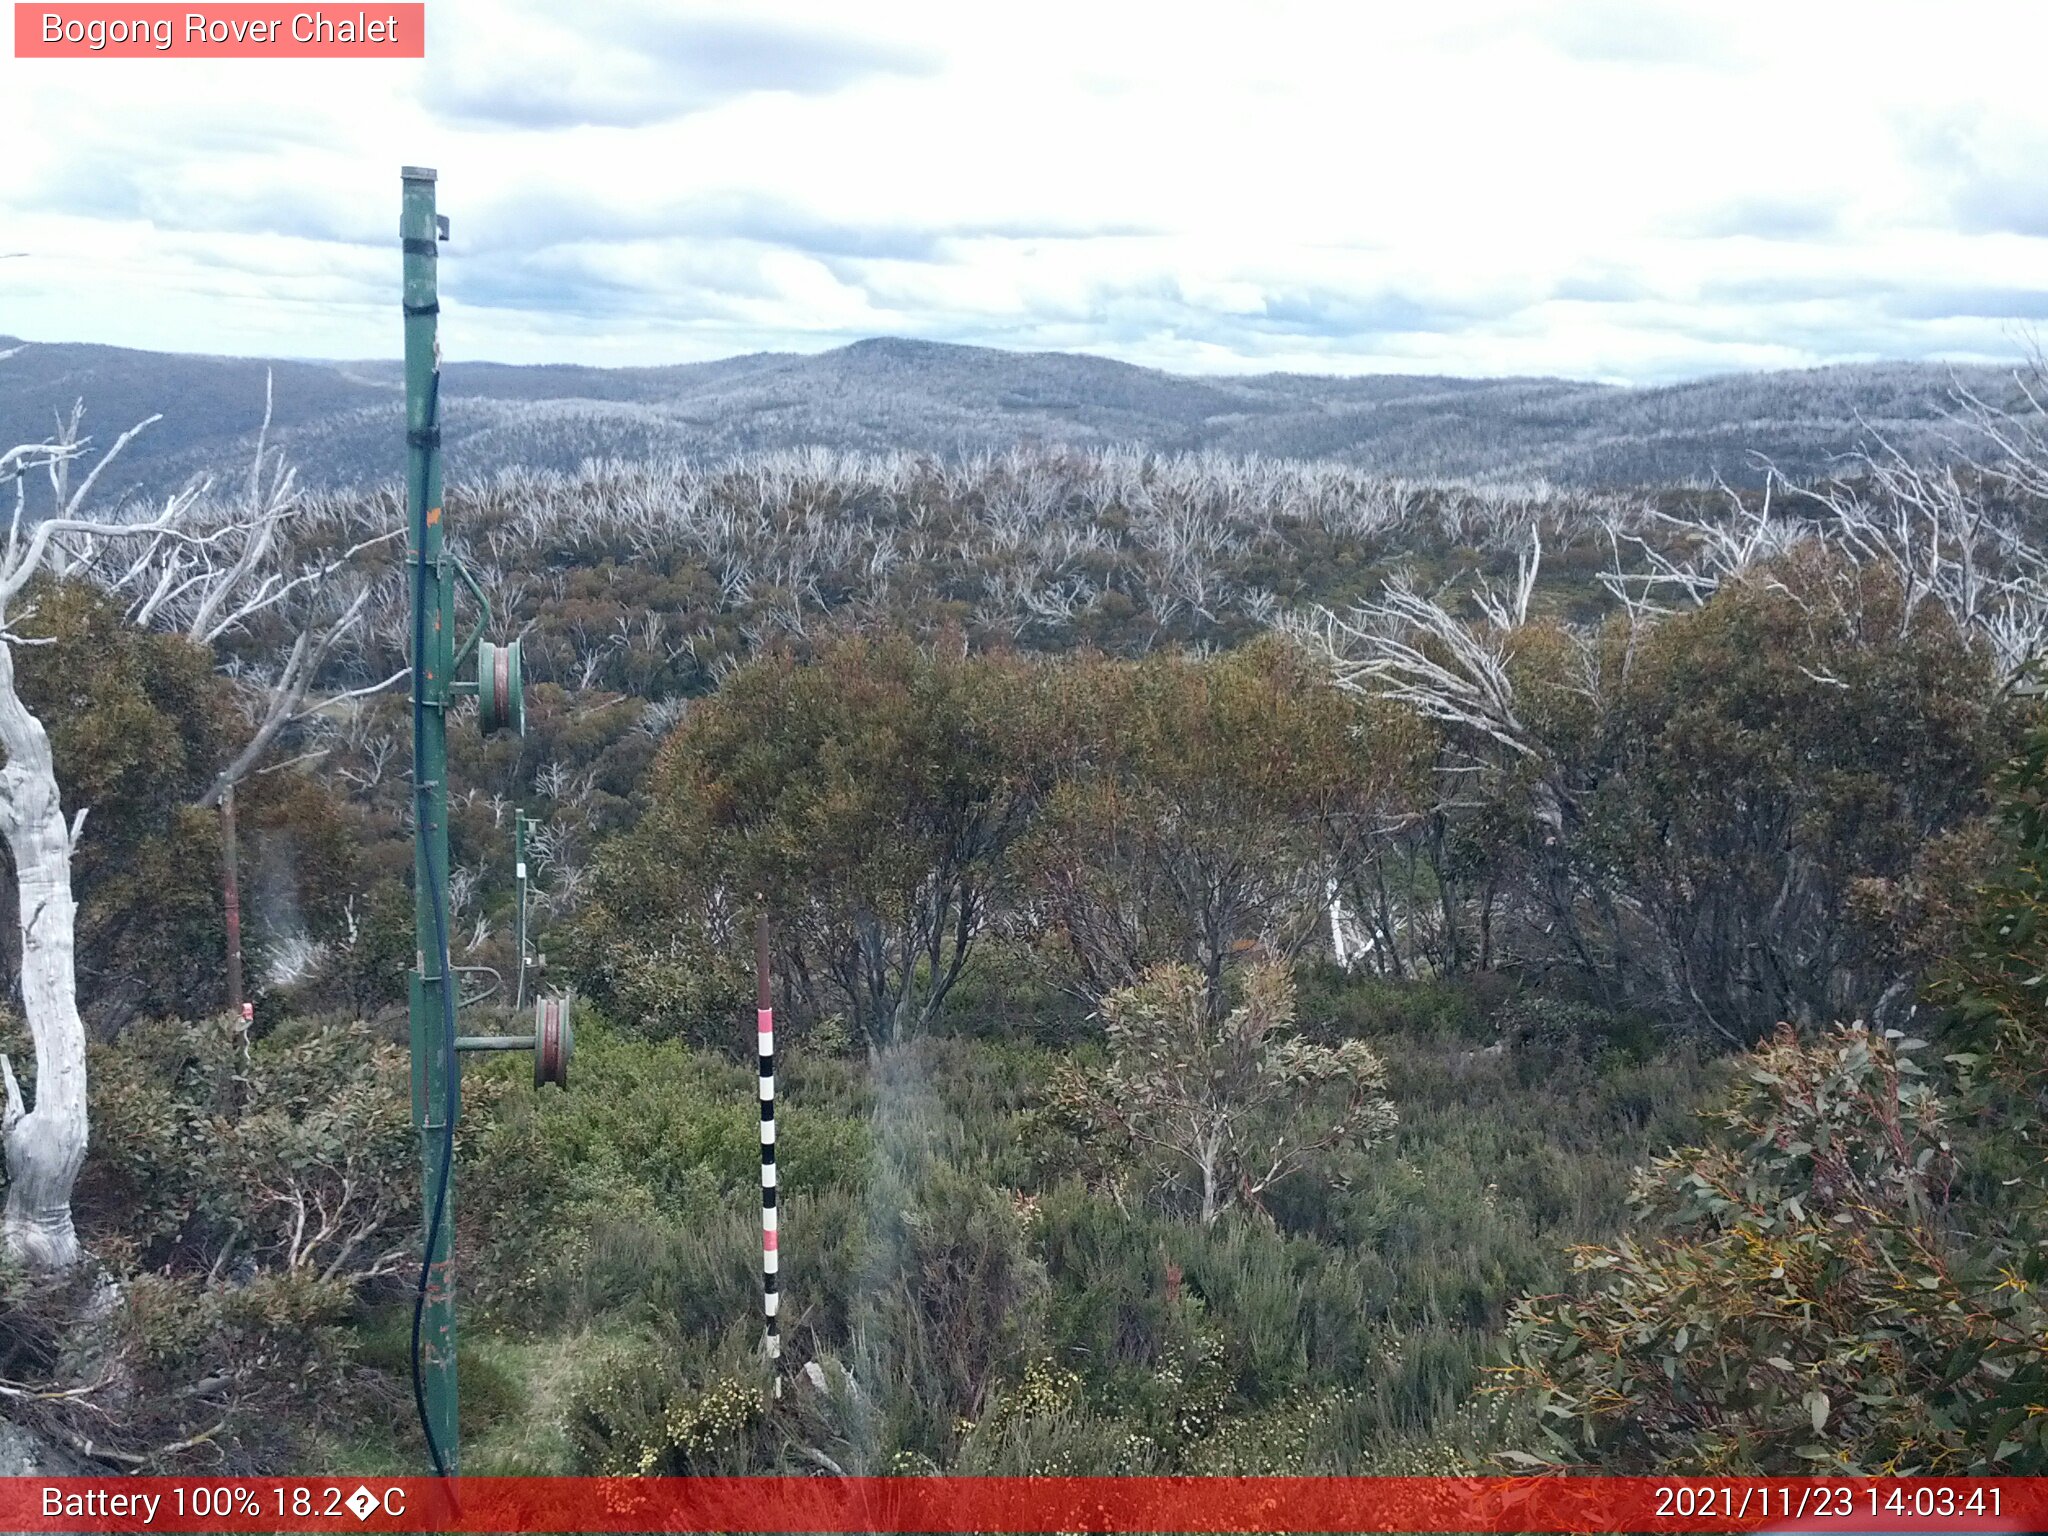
x,y
642,65
1981,167
1138,311
1992,203
137,183
1633,32
1328,313
692,283
706,284
759,54
1768,218
1877,303
558,290
1603,286
1970,304
1883,323
535,220
770,221
1801,289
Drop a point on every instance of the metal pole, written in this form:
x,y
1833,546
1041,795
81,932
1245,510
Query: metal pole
x,y
435,1086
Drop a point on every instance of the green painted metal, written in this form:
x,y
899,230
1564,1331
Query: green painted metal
x,y
435,1086
500,688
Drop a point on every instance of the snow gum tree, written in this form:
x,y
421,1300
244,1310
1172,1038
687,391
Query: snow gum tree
x,y
45,1143
1238,1099
206,567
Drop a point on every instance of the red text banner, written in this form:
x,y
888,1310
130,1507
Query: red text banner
x,y
1020,1504
241,31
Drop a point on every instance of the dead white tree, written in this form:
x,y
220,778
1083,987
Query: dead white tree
x,y
1452,663
235,562
203,568
268,555
1409,648
1946,528
45,1145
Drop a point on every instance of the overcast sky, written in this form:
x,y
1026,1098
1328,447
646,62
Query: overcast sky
x,y
1610,189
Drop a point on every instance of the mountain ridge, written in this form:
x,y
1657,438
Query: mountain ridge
x,y
341,421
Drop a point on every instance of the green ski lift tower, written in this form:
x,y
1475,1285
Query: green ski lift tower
x,y
499,687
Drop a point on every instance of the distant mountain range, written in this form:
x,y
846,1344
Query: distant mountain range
x,y
342,422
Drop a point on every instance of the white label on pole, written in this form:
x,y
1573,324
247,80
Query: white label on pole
x,y
522,869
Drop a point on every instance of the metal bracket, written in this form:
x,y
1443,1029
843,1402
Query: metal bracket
x,y
483,623
497,983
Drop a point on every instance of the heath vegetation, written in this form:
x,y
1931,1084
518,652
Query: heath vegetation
x,y
1279,969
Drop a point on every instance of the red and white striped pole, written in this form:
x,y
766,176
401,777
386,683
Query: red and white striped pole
x,y
764,1016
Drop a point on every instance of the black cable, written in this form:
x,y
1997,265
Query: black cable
x,y
437,888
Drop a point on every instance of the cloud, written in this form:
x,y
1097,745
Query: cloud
x,y
636,65
1851,299
529,219
303,194
1579,187
2009,304
1381,313
303,212
1601,285
1635,32
661,285
1992,201
1982,166
1768,218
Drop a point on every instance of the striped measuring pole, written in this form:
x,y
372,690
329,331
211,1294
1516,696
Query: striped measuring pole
x,y
764,1017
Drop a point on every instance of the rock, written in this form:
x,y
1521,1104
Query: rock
x,y
23,1453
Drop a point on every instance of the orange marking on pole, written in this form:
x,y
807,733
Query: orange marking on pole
x,y
433,516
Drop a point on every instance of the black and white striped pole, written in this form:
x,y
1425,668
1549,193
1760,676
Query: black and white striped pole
x,y
764,1019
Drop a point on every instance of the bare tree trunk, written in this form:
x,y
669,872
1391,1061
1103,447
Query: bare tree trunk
x,y
44,1145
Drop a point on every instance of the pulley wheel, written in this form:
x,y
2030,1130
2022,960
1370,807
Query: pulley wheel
x,y
500,688
554,1041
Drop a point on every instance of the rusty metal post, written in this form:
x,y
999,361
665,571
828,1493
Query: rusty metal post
x,y
231,894
520,821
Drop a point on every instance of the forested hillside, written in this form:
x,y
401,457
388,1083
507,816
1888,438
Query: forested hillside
x,y
338,420
1279,968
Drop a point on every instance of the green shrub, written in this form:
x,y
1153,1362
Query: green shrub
x,y
951,1304
1336,1004
1810,1298
298,1156
637,1410
1563,1028
258,1368
577,1196
1011,992
1042,1427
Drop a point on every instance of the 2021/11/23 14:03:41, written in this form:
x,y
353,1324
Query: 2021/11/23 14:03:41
x,y
1824,1502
